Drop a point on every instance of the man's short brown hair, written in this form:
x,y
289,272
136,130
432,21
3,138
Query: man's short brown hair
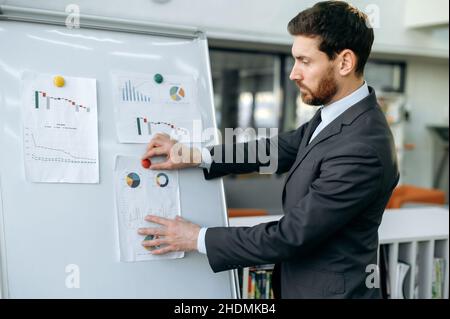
x,y
340,26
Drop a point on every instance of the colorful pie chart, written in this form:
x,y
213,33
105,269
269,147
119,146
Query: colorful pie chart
x,y
162,180
133,180
176,93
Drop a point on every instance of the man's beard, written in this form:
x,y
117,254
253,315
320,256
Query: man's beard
x,y
324,94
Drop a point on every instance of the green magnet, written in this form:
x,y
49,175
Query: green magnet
x,y
158,78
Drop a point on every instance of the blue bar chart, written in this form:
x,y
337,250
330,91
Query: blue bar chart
x,y
130,93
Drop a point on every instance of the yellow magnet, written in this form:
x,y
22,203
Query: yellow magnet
x,y
59,81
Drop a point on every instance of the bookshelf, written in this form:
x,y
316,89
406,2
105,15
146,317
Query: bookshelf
x,y
256,282
412,236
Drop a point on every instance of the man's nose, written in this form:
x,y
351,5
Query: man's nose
x,y
295,74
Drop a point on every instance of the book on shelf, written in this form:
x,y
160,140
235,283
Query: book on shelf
x,y
437,288
402,271
416,278
257,282
384,273
392,281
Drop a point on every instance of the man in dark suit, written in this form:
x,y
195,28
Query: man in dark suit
x,y
341,170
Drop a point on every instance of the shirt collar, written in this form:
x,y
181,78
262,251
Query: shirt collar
x,y
333,110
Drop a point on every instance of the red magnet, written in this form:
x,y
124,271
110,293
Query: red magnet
x,y
146,163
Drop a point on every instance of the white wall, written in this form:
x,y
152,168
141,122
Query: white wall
x,y
393,36
421,13
261,20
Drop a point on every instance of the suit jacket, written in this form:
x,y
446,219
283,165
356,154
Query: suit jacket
x,y
334,196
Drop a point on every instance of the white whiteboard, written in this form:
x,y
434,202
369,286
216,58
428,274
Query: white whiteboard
x,y
45,227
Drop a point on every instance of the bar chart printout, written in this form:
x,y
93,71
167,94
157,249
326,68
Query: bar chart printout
x,y
144,107
60,137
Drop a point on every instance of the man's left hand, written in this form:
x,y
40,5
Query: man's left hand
x,y
174,235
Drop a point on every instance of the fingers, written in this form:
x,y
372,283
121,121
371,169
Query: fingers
x,y
157,141
162,137
155,242
164,250
162,242
156,151
153,143
158,220
152,231
159,138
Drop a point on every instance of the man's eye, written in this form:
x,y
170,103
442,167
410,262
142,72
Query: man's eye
x,y
305,61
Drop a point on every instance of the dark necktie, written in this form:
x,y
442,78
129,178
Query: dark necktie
x,y
314,123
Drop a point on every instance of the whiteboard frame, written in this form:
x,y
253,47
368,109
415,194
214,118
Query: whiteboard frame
x,y
19,14
3,269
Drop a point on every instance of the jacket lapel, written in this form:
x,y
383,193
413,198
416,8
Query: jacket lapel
x,y
308,132
333,128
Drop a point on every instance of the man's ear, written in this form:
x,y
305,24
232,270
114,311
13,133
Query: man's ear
x,y
347,62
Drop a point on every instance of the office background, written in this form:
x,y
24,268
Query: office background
x,y
250,62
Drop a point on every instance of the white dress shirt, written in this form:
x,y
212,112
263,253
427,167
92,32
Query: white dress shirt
x,y
332,111
329,114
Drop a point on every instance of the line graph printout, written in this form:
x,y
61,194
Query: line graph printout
x,y
144,107
60,132
140,192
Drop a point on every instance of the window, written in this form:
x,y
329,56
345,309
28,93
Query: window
x,y
245,89
252,89
385,76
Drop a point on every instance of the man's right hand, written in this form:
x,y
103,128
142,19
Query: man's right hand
x,y
178,155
